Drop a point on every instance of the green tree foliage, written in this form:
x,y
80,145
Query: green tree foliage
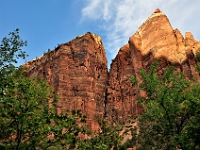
x,y
197,57
106,138
10,49
27,118
172,111
133,80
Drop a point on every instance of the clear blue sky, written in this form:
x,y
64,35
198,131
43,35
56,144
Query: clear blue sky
x,y
47,23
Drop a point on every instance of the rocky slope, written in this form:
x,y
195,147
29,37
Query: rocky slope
x,y
78,69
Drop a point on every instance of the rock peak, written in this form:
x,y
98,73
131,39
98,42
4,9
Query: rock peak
x,y
157,11
157,36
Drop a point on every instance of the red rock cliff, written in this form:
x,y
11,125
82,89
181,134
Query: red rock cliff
x,y
78,72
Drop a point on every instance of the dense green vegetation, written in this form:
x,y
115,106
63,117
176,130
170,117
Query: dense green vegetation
x,y
172,111
106,138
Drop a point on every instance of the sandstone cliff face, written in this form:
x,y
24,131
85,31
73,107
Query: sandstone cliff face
x,y
78,69
78,72
155,39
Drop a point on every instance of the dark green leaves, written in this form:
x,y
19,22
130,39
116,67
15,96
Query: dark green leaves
x,y
171,111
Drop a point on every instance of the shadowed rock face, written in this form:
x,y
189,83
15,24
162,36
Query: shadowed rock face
x,y
78,69
121,94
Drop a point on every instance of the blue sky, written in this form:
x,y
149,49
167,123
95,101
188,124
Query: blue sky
x,y
47,23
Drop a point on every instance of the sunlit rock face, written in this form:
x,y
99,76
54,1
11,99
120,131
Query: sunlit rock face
x,y
154,40
78,69
78,72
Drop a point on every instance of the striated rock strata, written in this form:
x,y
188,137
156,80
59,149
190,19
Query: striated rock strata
x,y
78,72
78,69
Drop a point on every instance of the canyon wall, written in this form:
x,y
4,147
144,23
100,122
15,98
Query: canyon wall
x,y
78,69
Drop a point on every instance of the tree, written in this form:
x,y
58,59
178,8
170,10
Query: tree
x,y
10,51
28,120
171,111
